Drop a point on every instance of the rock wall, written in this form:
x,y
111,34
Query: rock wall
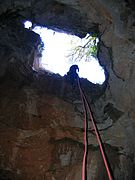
x,y
41,115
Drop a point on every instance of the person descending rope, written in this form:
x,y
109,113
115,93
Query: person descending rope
x,y
72,73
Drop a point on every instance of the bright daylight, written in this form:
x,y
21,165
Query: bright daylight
x,y
57,55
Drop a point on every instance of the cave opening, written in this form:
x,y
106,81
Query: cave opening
x,y
61,50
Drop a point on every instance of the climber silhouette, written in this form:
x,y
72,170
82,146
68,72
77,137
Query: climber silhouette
x,y
72,73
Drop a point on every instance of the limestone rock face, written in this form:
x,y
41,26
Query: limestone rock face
x,y
41,114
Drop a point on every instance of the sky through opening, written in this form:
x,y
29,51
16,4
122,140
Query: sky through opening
x,y
54,55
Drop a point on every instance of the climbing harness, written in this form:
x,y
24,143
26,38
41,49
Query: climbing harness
x,y
85,108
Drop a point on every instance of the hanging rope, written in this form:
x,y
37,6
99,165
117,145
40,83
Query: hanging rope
x,y
84,101
85,136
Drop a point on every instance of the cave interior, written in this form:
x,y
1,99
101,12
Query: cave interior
x,y
41,113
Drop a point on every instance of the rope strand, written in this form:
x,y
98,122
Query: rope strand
x,y
84,101
84,175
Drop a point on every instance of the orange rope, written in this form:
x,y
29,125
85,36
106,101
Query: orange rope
x,y
84,100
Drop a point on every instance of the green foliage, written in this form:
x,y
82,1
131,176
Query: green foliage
x,y
40,49
83,49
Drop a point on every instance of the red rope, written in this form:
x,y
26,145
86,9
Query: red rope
x,y
84,100
85,135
